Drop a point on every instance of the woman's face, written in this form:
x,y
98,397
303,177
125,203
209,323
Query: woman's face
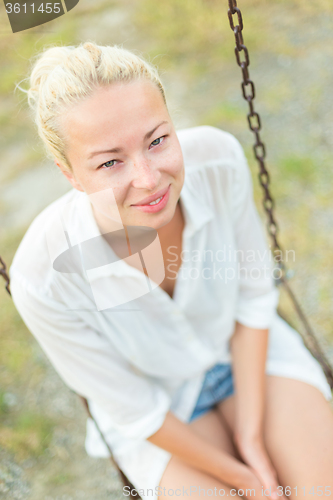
x,y
121,142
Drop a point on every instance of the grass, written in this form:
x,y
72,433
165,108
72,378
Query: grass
x,y
225,114
186,31
59,479
3,404
298,169
27,435
22,432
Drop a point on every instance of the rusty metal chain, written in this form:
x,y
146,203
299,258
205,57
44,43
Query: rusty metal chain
x,y
3,273
248,90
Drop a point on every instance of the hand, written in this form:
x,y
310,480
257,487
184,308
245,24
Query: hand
x,y
254,454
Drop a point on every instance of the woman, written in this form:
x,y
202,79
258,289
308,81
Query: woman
x,y
149,286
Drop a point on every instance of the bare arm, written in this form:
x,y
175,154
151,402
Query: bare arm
x,y
249,350
249,353
180,440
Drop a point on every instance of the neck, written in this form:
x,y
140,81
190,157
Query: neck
x,y
177,222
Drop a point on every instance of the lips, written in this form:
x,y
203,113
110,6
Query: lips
x,y
153,197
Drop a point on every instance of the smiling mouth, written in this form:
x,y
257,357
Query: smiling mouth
x,y
156,204
153,201
156,201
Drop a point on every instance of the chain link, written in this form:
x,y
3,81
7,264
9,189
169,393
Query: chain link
x,y
249,93
3,273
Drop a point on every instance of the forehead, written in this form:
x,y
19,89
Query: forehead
x,y
120,110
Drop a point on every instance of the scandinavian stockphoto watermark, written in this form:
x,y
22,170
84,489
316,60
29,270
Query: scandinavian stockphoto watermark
x,y
226,263
87,238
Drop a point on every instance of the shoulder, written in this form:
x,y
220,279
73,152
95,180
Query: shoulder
x,y
31,265
215,164
205,144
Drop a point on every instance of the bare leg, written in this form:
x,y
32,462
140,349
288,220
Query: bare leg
x,y
298,434
179,475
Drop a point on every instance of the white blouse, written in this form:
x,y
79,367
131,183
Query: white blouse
x,y
134,360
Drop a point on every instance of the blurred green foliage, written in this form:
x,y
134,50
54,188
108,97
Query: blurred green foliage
x,y
26,434
224,113
193,30
298,168
61,478
22,432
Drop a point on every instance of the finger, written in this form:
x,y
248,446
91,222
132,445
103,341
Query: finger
x,y
267,478
271,485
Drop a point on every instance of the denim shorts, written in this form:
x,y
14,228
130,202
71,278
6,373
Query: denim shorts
x,y
217,385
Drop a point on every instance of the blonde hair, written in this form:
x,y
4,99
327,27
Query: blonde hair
x,y
62,76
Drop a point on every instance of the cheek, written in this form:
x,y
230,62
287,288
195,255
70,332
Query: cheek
x,y
107,192
88,181
174,163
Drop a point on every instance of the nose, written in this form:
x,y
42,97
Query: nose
x,y
145,174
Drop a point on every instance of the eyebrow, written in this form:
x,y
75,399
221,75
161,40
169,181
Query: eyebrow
x,y
119,150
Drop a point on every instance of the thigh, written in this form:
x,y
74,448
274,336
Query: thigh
x,y
180,476
298,434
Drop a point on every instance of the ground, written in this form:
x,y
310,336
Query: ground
x,y
42,429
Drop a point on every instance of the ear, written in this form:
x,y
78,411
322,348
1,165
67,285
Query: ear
x,y
69,176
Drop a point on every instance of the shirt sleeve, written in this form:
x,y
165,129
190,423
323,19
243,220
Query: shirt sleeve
x,y
258,295
88,363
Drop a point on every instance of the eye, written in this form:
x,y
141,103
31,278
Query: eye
x,y
107,164
159,138
110,164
